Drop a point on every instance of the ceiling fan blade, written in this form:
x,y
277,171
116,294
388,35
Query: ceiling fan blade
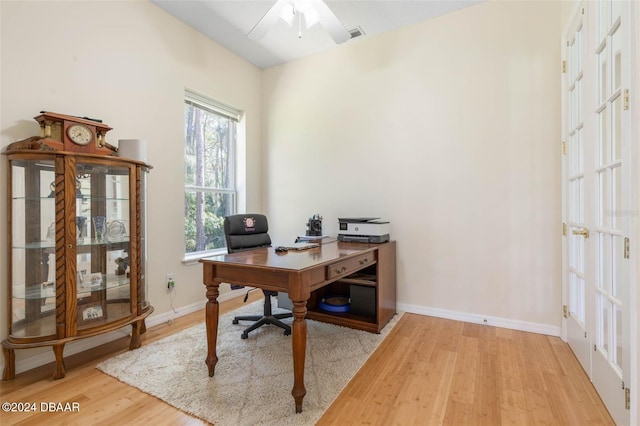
x,y
267,22
330,23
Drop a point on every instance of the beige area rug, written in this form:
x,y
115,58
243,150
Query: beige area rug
x,y
254,377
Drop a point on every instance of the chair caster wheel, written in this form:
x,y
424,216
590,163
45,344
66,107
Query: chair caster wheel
x,y
235,321
244,335
287,332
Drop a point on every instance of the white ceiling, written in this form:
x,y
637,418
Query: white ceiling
x,y
229,21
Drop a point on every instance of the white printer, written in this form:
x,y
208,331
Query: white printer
x,y
363,230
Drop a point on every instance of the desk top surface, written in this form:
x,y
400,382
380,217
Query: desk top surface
x,y
293,260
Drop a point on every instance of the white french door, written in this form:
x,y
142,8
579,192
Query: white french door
x,y
598,202
612,194
575,185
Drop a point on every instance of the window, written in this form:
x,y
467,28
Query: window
x,y
210,168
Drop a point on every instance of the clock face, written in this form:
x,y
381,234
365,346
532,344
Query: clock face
x,y
79,134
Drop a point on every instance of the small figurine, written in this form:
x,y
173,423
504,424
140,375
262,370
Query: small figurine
x,y
314,226
123,264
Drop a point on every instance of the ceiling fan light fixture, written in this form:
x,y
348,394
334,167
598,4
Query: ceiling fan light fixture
x,y
312,12
311,17
303,10
288,13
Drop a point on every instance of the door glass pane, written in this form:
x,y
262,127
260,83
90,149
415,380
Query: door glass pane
x,y
572,102
573,289
571,156
580,203
604,137
604,9
602,87
577,297
575,187
578,48
579,150
617,335
616,193
616,56
581,300
616,137
603,323
603,199
618,259
578,95
580,245
573,69
604,261
615,10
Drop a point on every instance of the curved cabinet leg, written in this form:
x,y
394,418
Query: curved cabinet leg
x,y
136,342
9,363
58,351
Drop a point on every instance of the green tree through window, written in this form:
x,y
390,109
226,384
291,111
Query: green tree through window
x,y
209,161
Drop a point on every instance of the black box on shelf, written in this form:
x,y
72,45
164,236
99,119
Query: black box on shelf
x,y
363,300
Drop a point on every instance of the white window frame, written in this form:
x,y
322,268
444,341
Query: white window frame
x,y
235,115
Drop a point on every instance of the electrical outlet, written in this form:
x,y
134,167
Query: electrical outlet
x,y
170,282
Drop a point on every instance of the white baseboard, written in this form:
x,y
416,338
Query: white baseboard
x,y
482,319
29,362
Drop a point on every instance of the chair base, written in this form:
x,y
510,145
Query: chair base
x,y
264,320
267,318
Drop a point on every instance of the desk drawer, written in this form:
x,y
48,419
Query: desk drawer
x,y
351,265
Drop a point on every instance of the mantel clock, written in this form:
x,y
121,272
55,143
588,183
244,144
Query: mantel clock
x,y
60,132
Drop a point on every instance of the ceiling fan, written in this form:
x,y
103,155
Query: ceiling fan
x,y
303,14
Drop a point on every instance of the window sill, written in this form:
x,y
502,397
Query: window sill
x,y
194,258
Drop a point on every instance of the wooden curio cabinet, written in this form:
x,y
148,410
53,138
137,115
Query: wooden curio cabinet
x,y
77,247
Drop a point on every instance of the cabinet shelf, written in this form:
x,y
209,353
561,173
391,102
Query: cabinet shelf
x,y
46,198
360,279
86,242
344,319
371,292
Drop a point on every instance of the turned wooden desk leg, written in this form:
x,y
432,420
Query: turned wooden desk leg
x,y
58,351
136,341
211,315
299,344
9,363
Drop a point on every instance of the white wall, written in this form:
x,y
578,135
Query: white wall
x,y
450,129
127,62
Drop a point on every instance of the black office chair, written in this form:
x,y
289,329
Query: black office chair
x,y
248,232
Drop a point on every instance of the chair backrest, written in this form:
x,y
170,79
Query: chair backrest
x,y
246,232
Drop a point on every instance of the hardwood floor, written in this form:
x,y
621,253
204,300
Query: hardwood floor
x,y
427,371
436,371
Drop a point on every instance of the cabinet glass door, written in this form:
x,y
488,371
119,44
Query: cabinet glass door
x,y
143,243
103,282
33,240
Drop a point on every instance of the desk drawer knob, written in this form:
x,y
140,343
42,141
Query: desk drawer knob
x,y
364,261
341,270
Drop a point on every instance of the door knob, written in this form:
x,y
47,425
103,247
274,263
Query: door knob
x,y
584,232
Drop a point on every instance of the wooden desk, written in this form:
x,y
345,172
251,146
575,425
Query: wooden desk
x,y
300,273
